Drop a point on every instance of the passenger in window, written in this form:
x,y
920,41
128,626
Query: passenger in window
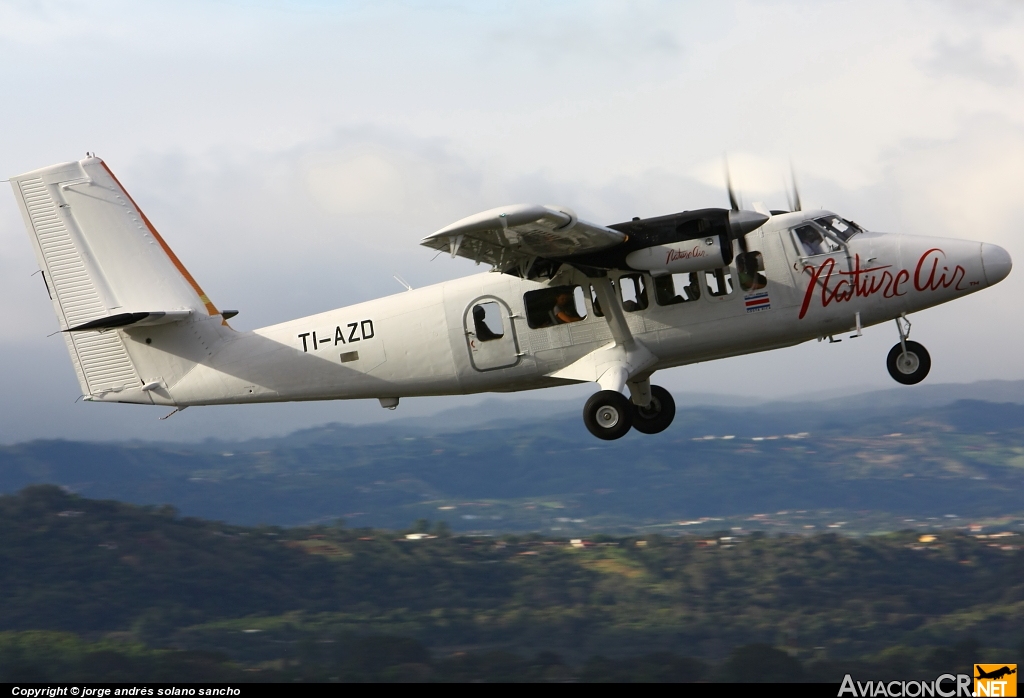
x,y
565,310
749,266
693,288
634,292
753,282
555,305
719,282
665,291
483,332
670,289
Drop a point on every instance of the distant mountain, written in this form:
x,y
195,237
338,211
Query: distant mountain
x,y
537,470
493,410
920,396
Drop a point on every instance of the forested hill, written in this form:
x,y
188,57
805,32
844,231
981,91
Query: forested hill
x,y
329,602
800,467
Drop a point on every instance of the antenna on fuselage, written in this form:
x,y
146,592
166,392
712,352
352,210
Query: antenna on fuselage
x,y
402,281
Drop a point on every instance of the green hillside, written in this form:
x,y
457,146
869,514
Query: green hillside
x,y
156,589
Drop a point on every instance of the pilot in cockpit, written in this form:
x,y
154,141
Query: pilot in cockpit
x,y
812,240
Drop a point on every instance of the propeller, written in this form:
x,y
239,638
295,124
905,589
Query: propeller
x,y
794,199
734,203
741,222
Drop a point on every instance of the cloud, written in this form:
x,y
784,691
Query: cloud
x,y
969,60
615,35
363,184
967,185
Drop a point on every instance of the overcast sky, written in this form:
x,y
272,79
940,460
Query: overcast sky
x,y
293,154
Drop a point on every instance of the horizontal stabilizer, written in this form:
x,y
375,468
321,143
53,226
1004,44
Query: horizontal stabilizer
x,y
131,319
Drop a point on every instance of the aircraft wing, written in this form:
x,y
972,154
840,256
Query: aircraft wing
x,y
505,236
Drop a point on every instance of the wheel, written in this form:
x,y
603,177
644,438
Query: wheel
x,y
911,367
607,415
658,415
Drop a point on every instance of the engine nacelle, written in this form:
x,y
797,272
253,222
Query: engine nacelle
x,y
703,254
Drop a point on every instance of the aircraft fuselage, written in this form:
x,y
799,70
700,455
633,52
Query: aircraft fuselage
x,y
424,341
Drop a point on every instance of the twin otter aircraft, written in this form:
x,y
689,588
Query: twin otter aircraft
x,y
568,302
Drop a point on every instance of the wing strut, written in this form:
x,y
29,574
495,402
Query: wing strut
x,y
613,314
624,364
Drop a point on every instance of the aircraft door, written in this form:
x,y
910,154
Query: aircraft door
x,y
490,335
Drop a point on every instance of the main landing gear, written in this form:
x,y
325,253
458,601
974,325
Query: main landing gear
x,y
609,415
908,362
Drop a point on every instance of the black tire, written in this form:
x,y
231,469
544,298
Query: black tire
x,y
608,415
658,415
909,369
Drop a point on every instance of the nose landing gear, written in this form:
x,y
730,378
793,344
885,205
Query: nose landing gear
x,y
908,365
908,362
609,415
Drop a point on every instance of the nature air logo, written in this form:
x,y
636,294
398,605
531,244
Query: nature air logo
x,y
995,680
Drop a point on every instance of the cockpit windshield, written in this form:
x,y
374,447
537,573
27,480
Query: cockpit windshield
x,y
840,227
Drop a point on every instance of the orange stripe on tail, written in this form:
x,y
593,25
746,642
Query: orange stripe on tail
x,y
210,307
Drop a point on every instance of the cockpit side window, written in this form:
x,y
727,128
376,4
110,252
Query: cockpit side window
x,y
840,227
557,305
750,270
813,241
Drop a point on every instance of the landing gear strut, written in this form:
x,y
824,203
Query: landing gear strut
x,y
609,415
908,362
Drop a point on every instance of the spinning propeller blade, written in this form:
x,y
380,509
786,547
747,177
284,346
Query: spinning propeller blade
x,y
794,202
734,203
741,222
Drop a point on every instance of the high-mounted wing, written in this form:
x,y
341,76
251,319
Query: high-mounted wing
x,y
506,236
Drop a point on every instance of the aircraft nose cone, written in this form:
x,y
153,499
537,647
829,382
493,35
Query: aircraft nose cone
x,y
997,263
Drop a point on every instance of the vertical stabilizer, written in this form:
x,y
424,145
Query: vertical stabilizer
x,y
106,267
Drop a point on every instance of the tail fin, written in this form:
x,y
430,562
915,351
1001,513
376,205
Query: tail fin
x,y
105,267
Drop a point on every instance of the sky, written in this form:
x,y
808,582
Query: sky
x,y
293,155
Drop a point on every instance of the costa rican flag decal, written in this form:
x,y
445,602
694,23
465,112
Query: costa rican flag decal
x,y
757,301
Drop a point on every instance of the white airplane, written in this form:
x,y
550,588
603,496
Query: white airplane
x,y
566,302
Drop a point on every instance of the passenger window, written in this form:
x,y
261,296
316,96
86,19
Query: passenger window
x,y
676,288
633,290
749,268
719,282
813,241
487,323
557,305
